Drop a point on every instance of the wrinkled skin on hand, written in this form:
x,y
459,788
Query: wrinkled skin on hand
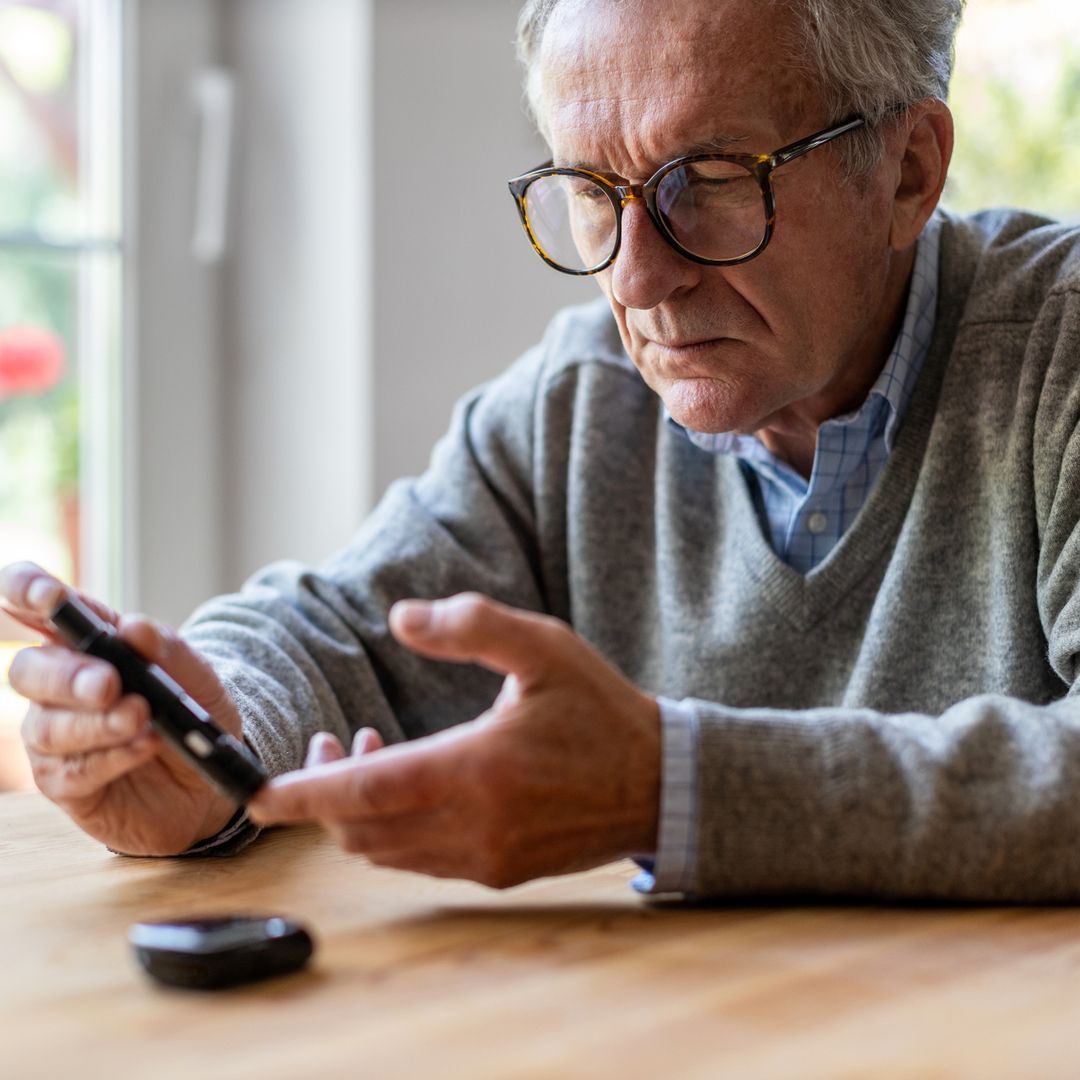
x,y
562,773
91,747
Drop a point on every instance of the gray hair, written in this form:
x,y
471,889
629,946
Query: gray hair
x,y
867,56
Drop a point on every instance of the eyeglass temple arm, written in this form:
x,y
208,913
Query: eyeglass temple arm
x,y
804,146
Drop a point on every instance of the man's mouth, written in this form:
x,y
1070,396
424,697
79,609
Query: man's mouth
x,y
687,347
689,344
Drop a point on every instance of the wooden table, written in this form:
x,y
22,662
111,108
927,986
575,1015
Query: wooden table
x,y
561,978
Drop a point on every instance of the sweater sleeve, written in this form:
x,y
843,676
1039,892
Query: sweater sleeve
x,y
302,649
977,803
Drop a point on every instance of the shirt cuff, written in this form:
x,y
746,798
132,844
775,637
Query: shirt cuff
x,y
239,831
671,870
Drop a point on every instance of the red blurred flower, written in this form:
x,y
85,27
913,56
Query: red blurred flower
x,y
31,360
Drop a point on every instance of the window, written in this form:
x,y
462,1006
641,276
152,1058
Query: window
x,y
60,260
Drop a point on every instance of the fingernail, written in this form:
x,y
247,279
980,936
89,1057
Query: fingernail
x,y
119,723
315,749
41,594
413,614
91,685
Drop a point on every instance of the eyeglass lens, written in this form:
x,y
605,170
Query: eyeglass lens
x,y
714,209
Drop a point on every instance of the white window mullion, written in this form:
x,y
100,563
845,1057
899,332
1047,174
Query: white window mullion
x,y
172,469
100,348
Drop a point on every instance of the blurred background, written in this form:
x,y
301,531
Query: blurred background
x,y
252,250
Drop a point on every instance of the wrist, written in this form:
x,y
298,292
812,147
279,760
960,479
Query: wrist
x,y
221,810
218,814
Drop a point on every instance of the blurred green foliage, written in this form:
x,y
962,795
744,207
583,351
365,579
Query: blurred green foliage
x,y
1014,150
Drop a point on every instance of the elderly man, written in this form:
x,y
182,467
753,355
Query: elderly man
x,y
773,551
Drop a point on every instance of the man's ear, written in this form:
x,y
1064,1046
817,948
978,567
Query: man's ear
x,y
924,164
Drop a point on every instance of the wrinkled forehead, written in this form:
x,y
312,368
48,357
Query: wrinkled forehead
x,y
632,70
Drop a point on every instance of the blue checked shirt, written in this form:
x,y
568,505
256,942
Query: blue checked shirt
x,y
805,519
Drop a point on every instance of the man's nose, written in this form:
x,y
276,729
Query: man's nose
x,y
647,270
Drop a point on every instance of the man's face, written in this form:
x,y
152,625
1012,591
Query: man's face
x,y
626,87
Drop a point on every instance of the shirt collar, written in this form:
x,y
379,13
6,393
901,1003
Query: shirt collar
x,y
896,383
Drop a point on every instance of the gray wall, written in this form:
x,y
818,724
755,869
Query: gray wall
x,y
377,269
174,411
297,301
458,291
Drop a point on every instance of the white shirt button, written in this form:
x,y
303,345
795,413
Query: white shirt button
x,y
817,522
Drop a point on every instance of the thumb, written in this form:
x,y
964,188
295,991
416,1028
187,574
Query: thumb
x,y
472,628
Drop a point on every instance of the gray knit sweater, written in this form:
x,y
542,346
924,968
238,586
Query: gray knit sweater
x,y
899,722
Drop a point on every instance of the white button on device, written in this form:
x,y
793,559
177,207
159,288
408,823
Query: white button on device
x,y
817,522
198,743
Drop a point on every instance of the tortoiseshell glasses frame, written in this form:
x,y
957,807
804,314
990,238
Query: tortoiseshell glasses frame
x,y
760,166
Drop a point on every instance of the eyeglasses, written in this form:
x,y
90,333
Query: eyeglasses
x,y
715,209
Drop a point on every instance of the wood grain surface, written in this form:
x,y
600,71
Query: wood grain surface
x,y
566,977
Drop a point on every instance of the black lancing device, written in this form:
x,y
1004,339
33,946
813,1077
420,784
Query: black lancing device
x,y
229,765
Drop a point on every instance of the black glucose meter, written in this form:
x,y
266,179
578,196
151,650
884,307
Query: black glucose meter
x,y
214,953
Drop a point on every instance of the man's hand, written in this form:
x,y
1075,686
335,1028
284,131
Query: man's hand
x,y
91,747
562,773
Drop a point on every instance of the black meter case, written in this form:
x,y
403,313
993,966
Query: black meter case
x,y
211,954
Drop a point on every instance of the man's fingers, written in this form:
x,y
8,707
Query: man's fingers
x,y
324,747
25,587
30,594
396,781
80,775
471,628
366,741
416,843
58,732
57,676
403,832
